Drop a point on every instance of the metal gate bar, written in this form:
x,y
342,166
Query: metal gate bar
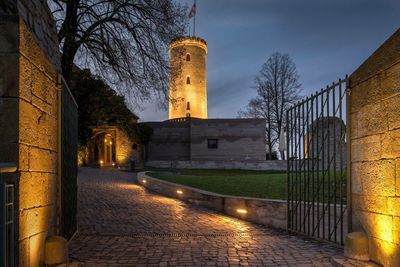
x,y
316,147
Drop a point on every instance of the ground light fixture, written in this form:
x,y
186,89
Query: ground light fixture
x,y
179,192
144,181
241,211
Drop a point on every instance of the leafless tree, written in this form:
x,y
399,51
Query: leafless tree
x,y
278,87
123,41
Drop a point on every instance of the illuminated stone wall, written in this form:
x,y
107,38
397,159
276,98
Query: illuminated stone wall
x,y
188,98
124,152
29,67
375,151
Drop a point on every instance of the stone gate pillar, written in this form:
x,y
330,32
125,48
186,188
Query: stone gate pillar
x,y
375,151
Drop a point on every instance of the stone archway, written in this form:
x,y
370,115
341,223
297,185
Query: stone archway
x,y
103,149
112,146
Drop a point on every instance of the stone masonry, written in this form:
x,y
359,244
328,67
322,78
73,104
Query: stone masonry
x,y
187,140
29,68
375,151
188,83
123,148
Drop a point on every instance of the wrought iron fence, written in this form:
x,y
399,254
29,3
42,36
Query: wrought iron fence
x,y
317,165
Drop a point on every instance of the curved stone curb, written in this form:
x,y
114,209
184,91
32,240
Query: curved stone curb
x,y
267,212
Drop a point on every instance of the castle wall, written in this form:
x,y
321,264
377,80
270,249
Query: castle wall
x,y
238,139
29,69
375,151
170,141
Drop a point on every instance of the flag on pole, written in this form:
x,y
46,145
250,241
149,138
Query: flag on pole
x,y
192,12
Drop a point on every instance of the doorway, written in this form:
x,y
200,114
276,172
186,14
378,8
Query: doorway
x,y
104,150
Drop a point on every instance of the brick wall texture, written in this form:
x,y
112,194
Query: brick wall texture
x,y
375,151
29,67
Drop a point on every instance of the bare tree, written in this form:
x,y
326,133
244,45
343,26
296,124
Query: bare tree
x,y
123,41
277,88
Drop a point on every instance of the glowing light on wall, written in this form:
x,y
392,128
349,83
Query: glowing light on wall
x,y
242,211
179,192
101,162
384,229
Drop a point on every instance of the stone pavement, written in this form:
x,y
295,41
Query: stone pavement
x,y
120,224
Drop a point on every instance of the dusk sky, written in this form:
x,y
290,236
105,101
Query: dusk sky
x,y
325,39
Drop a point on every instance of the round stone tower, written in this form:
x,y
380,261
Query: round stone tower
x,y
188,81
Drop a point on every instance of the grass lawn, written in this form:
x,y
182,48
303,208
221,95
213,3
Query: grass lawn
x,y
259,184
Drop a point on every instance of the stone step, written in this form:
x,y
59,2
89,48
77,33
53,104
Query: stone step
x,y
341,261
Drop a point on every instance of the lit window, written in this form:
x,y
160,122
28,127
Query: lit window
x,y
187,57
187,80
213,143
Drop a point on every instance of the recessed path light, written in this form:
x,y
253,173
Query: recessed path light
x,y
242,211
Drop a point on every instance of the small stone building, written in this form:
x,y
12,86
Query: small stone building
x,y
325,143
111,146
211,140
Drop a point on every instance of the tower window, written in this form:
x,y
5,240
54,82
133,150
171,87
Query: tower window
x,y
188,105
187,57
187,80
212,143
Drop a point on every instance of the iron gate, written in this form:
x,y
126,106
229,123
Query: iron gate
x,y
317,164
69,162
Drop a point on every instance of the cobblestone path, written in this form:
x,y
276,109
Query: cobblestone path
x,y
120,224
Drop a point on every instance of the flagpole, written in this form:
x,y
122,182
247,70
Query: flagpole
x,y
194,19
